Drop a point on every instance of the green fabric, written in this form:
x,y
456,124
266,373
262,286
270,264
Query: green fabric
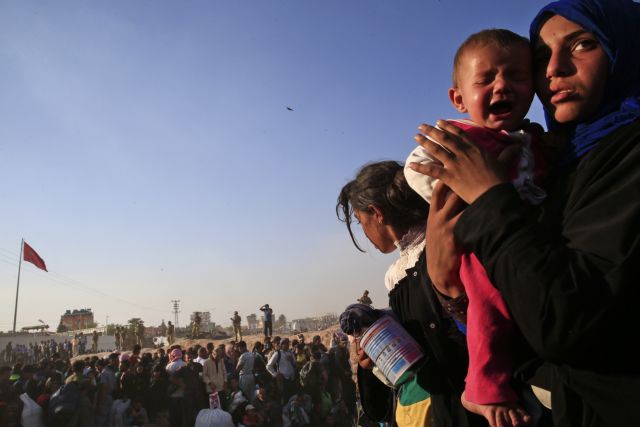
x,y
325,406
411,392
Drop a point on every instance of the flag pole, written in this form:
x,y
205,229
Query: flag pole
x,y
15,311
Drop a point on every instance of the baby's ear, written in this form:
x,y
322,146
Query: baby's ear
x,y
455,96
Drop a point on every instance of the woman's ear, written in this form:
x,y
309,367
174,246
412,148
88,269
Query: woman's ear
x,y
378,216
455,96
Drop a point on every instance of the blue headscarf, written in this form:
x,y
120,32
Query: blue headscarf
x,y
616,25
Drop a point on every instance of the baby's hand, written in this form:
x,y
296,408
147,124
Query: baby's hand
x,y
363,360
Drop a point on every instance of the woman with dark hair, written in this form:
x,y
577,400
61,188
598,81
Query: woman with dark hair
x,y
568,271
392,217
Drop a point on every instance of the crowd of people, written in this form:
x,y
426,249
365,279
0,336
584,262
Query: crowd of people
x,y
279,382
518,248
33,352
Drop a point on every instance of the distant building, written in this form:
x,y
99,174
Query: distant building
x,y
153,331
252,322
315,323
77,319
205,320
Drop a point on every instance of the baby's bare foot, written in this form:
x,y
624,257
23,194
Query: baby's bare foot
x,y
499,414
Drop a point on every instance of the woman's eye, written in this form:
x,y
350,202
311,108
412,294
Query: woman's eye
x,y
585,45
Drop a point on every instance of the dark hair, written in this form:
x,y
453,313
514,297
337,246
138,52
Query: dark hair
x,y
78,366
383,185
54,377
494,36
31,388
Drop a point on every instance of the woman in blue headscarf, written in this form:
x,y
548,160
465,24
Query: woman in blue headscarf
x,y
569,270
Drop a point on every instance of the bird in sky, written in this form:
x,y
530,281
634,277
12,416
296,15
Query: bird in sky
x,y
289,108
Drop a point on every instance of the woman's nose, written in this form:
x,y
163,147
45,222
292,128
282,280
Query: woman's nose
x,y
559,64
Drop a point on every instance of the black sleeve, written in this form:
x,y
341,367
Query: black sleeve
x,y
377,399
570,282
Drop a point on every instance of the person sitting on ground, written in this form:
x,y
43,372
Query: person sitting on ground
x,y
237,400
252,417
297,411
136,414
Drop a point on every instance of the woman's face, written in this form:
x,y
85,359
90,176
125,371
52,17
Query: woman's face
x,y
376,231
570,70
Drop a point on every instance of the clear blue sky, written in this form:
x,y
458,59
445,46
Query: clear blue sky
x,y
147,153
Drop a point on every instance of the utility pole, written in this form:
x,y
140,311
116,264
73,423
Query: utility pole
x,y
176,310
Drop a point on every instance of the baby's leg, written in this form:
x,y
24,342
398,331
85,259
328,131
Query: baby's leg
x,y
499,415
488,390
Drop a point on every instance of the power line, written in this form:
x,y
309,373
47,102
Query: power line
x,y
176,310
72,283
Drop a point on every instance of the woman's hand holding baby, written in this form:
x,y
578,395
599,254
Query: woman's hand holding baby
x,y
467,169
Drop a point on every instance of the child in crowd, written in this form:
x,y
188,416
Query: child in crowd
x,y
492,82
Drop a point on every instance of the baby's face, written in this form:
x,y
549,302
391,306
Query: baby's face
x,y
495,86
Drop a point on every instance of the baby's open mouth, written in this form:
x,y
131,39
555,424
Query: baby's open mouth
x,y
500,107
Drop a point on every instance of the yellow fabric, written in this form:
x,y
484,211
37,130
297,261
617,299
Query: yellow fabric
x,y
414,415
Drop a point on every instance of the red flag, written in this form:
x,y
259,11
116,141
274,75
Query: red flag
x,y
33,257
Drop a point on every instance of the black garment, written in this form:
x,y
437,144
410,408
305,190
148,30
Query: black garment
x,y
569,274
270,410
268,328
262,376
157,397
132,385
445,365
341,384
9,405
194,391
311,379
